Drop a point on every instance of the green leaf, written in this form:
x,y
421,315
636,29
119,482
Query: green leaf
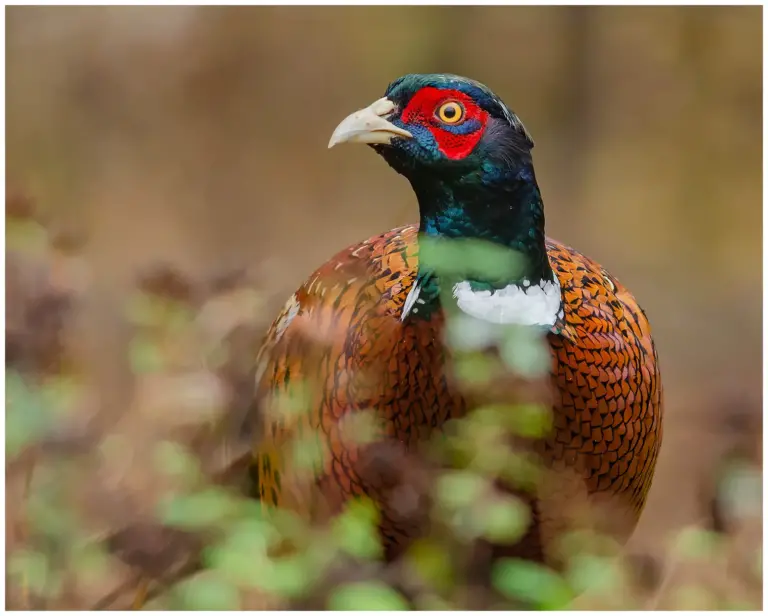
x,y
206,591
253,534
466,333
293,402
364,596
27,416
432,562
91,563
242,556
321,553
175,460
468,258
290,525
531,582
529,420
486,419
308,453
60,393
145,355
521,469
696,544
179,317
457,489
356,529
504,520
31,569
235,565
204,509
288,576
474,368
524,351
478,441
490,457
595,573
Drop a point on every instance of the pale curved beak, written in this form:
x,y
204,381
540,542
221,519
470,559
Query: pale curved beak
x,y
369,125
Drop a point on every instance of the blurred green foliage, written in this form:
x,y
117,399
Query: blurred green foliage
x,y
366,596
27,415
249,550
356,530
532,583
206,591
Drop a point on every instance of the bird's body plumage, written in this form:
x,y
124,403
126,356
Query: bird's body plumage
x,y
342,331
365,334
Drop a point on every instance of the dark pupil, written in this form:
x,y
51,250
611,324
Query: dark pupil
x,y
450,112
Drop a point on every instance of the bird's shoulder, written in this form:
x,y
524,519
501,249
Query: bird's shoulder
x,y
365,280
596,306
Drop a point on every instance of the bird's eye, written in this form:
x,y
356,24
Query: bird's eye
x,y
450,112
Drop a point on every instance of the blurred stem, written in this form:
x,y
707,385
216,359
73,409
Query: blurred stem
x,y
106,601
141,594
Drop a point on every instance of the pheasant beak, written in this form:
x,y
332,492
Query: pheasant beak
x,y
369,125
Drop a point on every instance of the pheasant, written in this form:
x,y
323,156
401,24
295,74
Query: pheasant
x,y
368,327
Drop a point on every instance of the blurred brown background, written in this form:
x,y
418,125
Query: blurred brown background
x,y
198,136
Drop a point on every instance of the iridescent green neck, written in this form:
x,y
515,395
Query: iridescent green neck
x,y
502,207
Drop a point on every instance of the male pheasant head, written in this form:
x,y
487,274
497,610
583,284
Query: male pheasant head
x,y
468,159
440,124
467,156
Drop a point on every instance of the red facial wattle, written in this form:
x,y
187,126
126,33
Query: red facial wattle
x,y
453,140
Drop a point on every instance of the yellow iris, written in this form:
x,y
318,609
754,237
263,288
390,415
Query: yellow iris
x,y
450,112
